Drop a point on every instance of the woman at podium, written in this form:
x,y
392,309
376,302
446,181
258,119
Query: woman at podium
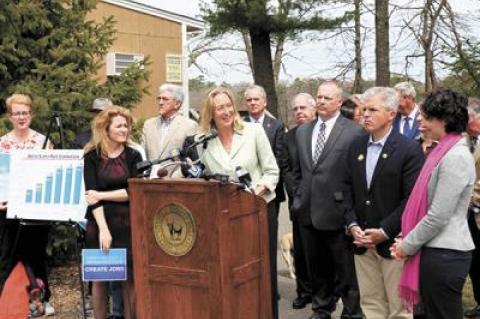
x,y
109,162
238,144
32,241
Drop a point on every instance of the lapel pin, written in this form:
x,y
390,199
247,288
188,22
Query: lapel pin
x,y
385,155
360,157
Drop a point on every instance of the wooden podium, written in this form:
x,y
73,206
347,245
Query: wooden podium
x,y
200,250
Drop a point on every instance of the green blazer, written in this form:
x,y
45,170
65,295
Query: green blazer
x,y
250,150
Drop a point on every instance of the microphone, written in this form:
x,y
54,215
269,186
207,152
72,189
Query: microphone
x,y
202,139
144,165
161,173
244,178
192,170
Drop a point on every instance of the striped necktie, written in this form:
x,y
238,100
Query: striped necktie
x,y
320,144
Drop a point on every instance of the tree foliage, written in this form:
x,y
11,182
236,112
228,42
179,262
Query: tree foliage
x,y
49,50
264,20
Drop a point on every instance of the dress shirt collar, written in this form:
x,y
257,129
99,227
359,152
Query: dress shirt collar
x,y
328,123
412,115
168,120
259,120
382,141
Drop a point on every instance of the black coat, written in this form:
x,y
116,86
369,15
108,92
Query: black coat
x,y
394,176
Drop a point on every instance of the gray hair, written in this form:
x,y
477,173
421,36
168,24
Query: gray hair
x,y
258,88
388,95
175,90
406,88
310,100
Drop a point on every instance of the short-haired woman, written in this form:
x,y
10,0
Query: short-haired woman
x,y
33,239
109,162
436,241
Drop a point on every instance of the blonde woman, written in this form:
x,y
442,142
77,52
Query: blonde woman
x,y
32,240
109,162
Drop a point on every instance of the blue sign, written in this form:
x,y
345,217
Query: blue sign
x,y
100,266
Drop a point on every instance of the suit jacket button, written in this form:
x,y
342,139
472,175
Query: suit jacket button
x,y
367,202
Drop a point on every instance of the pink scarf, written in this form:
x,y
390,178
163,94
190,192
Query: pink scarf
x,y
415,210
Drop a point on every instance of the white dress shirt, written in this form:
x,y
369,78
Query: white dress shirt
x,y
329,124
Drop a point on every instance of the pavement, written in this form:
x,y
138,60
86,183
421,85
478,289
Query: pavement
x,y
286,285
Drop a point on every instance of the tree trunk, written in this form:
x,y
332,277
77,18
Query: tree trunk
x,y
248,50
382,43
263,67
357,83
277,60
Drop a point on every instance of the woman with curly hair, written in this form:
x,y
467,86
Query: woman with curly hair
x,y
436,241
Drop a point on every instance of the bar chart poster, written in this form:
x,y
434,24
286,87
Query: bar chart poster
x,y
46,185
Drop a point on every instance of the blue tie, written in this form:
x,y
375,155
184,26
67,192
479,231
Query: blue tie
x,y
406,126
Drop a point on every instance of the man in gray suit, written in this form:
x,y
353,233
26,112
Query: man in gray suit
x,y
319,171
167,131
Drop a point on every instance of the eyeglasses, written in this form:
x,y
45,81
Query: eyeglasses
x,y
163,98
19,114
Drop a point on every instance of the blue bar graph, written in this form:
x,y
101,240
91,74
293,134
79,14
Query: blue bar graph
x,y
58,185
78,184
68,186
38,193
48,189
63,186
29,196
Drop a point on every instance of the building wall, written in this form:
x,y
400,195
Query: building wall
x,y
142,33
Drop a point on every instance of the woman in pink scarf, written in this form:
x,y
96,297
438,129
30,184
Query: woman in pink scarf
x,y
436,240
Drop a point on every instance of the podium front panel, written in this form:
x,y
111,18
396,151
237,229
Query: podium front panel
x,y
200,251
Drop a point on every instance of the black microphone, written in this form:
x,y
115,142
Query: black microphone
x,y
192,170
202,139
144,165
244,178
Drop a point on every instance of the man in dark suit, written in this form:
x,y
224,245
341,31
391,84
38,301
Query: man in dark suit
x,y
383,167
406,120
319,170
303,106
256,102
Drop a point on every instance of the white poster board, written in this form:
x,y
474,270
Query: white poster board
x,y
46,185
4,175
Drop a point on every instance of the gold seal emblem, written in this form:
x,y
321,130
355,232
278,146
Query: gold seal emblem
x,y
174,229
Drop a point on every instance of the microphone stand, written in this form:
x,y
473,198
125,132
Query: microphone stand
x,y
56,119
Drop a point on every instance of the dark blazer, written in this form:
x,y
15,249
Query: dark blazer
x,y
276,136
319,197
289,178
393,179
414,132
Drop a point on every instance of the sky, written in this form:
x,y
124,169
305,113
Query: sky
x,y
314,58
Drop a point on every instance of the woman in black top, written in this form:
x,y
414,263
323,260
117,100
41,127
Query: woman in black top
x,y
109,162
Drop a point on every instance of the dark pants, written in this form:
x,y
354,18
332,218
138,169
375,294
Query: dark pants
x,y
475,267
304,288
30,249
272,210
330,271
442,275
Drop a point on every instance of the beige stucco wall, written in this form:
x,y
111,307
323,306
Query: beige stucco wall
x,y
142,33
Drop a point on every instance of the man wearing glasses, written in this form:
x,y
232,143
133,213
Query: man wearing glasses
x,y
167,131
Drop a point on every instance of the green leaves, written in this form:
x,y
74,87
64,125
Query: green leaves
x,y
49,49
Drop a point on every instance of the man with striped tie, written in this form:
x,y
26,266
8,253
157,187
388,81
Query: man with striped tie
x,y
319,170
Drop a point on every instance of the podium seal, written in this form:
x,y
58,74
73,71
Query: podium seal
x,y
174,229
